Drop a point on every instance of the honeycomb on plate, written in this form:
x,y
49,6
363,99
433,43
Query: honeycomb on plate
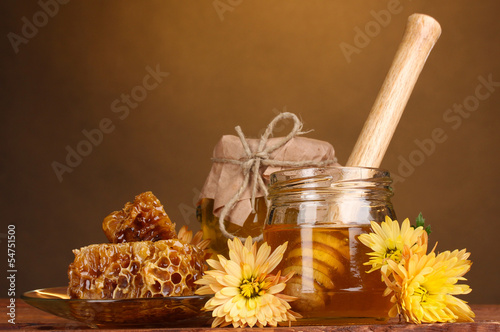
x,y
137,269
145,259
142,220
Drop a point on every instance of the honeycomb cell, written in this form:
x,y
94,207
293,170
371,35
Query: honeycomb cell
x,y
124,261
156,287
167,288
163,262
114,269
175,260
122,282
143,220
161,274
134,267
176,278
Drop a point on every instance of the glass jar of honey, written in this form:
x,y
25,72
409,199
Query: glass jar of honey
x,y
321,212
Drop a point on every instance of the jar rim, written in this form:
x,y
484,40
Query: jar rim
x,y
313,195
331,179
331,167
291,173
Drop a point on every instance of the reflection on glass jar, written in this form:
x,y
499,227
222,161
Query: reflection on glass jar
x,y
321,212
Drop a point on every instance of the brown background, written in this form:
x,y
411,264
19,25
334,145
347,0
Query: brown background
x,y
260,58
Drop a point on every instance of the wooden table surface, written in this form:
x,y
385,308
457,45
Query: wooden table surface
x,y
30,318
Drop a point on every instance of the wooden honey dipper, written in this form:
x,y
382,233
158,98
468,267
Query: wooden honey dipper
x,y
421,34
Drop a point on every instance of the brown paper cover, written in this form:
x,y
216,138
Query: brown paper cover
x,y
225,179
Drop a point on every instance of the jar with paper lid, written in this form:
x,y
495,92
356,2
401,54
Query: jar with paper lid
x,y
233,199
321,212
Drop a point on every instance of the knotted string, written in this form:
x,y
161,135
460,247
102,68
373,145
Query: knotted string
x,y
254,160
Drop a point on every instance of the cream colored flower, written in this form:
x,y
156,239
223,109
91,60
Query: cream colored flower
x,y
389,242
245,293
424,287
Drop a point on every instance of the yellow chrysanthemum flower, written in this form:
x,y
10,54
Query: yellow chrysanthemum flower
x,y
389,242
424,287
245,293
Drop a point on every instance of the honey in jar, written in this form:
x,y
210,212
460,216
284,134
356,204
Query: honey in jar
x,y
211,229
321,212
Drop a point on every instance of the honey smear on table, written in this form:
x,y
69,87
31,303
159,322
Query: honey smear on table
x,y
330,280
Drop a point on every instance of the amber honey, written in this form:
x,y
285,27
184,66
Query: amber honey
x,y
331,281
211,229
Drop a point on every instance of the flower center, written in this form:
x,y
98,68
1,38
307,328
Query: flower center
x,y
250,288
393,254
422,292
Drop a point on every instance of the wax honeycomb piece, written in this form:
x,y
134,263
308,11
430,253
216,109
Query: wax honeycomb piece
x,y
137,269
143,220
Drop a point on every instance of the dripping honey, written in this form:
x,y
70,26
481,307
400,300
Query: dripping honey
x,y
331,280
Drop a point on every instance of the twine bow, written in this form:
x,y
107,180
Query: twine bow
x,y
254,160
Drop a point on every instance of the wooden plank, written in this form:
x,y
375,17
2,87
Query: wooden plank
x,y
28,318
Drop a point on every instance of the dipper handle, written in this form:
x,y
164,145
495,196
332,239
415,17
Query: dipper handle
x,y
421,34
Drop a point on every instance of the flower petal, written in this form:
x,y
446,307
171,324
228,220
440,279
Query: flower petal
x,y
230,291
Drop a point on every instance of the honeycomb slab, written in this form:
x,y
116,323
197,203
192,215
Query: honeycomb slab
x,y
135,270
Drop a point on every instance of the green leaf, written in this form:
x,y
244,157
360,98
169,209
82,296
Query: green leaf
x,y
420,221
